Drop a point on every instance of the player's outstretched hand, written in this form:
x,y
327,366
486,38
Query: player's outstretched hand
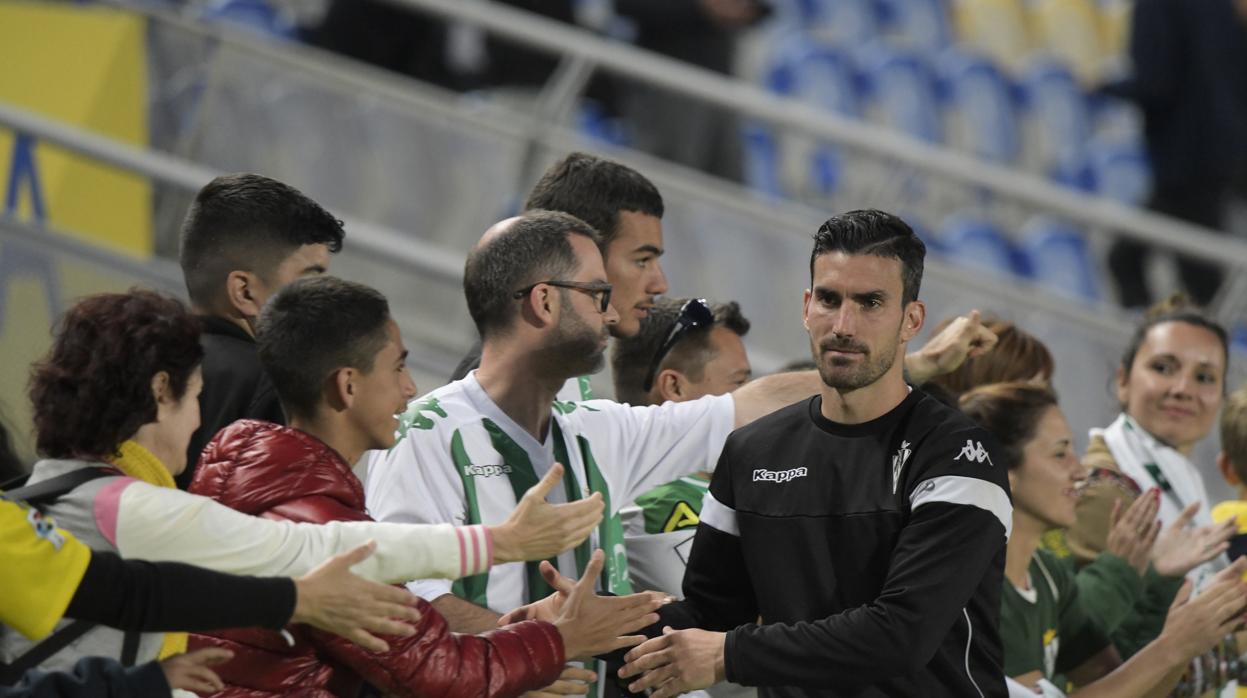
x,y
574,681
964,338
538,529
677,662
191,672
331,598
592,624
549,608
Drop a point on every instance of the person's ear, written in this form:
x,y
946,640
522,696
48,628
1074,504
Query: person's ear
x,y
162,393
915,317
540,306
342,389
805,309
1123,393
243,291
669,385
1227,470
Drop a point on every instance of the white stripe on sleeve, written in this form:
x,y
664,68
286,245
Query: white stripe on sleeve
x,y
719,516
956,489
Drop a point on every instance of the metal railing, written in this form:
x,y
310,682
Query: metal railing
x,y
737,95
421,257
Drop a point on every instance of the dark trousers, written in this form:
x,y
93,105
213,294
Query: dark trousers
x,y
1126,258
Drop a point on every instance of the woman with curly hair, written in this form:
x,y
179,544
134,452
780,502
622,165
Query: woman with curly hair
x,y
114,407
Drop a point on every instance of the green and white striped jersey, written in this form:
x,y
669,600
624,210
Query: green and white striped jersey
x,y
460,459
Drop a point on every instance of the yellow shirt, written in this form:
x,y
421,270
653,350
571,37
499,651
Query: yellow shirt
x,y
1231,509
40,568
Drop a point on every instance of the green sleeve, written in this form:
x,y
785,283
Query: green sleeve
x,y
1109,588
1081,635
1148,619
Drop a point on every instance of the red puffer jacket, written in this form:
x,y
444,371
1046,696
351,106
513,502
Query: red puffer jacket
x,y
264,469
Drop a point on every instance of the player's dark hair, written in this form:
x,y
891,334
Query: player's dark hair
x,y
93,389
292,336
595,191
1010,412
875,233
631,356
534,248
247,222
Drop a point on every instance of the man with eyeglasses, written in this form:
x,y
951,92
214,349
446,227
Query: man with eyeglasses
x,y
537,290
626,210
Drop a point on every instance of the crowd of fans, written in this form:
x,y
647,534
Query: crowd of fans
x,y
888,522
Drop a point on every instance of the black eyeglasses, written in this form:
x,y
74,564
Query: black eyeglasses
x,y
601,291
693,314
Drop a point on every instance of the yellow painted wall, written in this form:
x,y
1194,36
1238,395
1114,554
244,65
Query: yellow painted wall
x,y
86,66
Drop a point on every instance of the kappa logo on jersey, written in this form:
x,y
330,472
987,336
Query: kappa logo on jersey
x,y
762,475
898,463
486,470
973,451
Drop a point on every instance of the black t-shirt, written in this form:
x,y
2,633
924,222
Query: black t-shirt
x,y
873,553
236,386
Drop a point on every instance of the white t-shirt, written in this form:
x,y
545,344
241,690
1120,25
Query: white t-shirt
x,y
460,458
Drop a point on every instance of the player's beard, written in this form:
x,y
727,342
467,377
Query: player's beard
x,y
575,349
850,376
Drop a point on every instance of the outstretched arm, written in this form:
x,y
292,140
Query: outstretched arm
x,y
964,338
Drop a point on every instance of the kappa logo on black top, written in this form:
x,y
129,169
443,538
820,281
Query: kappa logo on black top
x,y
763,475
973,451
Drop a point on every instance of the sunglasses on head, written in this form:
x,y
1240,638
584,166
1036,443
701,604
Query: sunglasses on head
x,y
693,314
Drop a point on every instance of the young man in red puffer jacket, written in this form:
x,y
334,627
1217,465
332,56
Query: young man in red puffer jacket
x,y
338,363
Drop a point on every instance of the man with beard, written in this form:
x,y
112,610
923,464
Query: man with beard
x,y
537,290
865,526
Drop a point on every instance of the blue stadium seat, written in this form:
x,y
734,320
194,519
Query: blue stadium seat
x,y
1060,259
982,101
1119,171
257,15
973,242
902,90
816,74
919,24
842,21
1055,101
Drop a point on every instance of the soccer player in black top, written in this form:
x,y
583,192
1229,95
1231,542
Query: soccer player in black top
x,y
865,527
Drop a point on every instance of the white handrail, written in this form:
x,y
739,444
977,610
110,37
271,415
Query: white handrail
x,y
366,237
422,257
735,94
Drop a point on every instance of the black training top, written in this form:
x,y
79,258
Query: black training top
x,y
873,554
236,386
